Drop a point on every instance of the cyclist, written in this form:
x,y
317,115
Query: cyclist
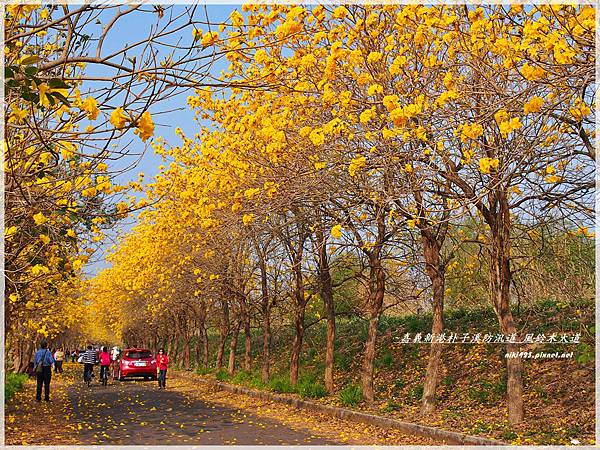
x,y
104,364
88,358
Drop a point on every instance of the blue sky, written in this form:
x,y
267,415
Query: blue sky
x,y
129,29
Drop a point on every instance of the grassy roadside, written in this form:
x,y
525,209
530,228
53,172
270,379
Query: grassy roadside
x,y
13,382
559,393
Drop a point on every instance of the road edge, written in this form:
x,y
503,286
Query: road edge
x,y
453,437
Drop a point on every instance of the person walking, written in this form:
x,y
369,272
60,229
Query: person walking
x,y
88,358
114,360
43,362
162,363
104,365
59,357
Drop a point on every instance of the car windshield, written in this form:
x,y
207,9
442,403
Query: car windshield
x,y
139,354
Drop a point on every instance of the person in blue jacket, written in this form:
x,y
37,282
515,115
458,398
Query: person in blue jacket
x,y
43,356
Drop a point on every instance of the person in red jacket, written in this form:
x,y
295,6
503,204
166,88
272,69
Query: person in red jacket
x,y
104,364
162,363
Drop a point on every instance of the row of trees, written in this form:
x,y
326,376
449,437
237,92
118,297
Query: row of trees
x,y
396,136
71,97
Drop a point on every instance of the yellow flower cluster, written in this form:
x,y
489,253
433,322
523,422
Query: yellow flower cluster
x,y
486,165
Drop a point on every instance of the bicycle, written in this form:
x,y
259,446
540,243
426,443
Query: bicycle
x,y
104,375
87,376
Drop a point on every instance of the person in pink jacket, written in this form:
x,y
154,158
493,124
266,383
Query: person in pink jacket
x,y
162,363
104,365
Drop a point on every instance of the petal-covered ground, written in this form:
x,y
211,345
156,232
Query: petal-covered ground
x,y
187,412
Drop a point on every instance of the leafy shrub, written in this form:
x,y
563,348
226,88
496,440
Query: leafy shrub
x,y
203,370
256,382
351,395
499,388
399,383
549,303
308,387
14,382
222,375
416,393
281,384
585,353
342,361
447,381
416,324
488,392
386,360
391,406
241,377
479,395
509,435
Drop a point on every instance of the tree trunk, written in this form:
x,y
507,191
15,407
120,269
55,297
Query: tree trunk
x,y
500,278
205,345
266,347
297,344
330,350
176,351
22,352
233,348
170,347
198,349
266,321
224,332
435,272
369,358
376,294
186,352
326,291
247,344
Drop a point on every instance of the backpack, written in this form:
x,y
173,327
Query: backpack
x,y
39,367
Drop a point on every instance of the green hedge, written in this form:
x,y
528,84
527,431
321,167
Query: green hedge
x,y
14,382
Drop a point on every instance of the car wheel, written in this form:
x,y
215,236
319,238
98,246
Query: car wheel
x,y
145,378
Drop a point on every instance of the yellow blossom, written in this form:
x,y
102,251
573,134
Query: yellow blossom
x,y
366,115
486,165
90,106
374,57
145,128
336,231
317,137
9,233
375,89
118,118
209,38
470,131
40,219
533,105
358,162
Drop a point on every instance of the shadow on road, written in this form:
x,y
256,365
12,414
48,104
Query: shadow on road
x,y
136,412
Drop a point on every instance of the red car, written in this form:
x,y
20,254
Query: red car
x,y
137,362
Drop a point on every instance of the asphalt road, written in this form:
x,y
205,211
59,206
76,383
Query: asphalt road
x,y
138,413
